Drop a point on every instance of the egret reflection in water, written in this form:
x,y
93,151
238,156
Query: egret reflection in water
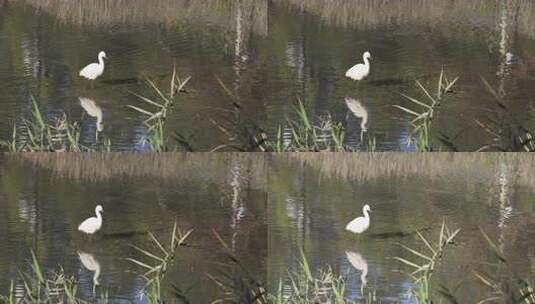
x,y
93,110
90,263
360,112
359,263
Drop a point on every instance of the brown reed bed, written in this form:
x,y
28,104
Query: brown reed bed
x,y
372,166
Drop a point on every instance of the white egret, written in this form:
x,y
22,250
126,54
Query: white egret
x,y
94,70
360,264
361,70
360,224
92,224
91,264
93,110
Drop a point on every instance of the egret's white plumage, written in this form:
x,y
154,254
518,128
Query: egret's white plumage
x,y
93,110
92,224
91,264
361,70
94,70
360,264
360,224
359,111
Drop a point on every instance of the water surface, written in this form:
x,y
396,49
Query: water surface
x,y
269,54
313,197
45,197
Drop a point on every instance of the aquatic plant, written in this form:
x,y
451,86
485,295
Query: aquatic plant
x,y
305,286
427,112
58,134
505,285
507,133
36,134
302,135
158,139
235,281
163,258
423,269
57,287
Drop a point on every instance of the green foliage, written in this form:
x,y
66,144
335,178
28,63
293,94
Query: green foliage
x,y
163,258
40,288
305,286
504,284
423,269
237,283
38,135
155,119
423,117
304,135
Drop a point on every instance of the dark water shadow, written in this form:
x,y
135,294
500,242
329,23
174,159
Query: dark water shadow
x,y
124,235
120,81
396,234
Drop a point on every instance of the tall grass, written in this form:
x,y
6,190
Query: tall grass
x,y
369,14
238,284
505,286
305,286
36,134
57,134
426,111
155,117
161,259
507,133
303,135
426,263
39,287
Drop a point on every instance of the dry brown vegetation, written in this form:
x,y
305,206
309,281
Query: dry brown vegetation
x,y
346,13
141,12
359,166
101,167
372,13
371,166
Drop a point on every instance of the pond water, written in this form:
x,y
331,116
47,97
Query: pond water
x,y
44,198
313,197
266,207
269,54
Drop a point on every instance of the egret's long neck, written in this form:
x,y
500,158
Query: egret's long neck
x,y
366,61
101,60
366,215
99,217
